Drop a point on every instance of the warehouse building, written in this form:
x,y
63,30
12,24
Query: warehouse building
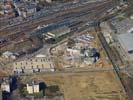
x,y
126,41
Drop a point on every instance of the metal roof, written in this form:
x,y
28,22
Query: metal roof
x,y
123,26
126,41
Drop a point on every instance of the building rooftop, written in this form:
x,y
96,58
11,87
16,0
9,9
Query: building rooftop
x,y
123,26
126,41
30,83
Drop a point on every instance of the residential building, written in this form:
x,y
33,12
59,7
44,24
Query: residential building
x,y
30,9
25,9
32,87
37,64
5,86
7,10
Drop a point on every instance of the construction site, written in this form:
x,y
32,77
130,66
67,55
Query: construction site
x,y
68,46
82,51
94,81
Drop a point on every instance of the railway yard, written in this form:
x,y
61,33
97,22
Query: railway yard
x,y
72,40
59,17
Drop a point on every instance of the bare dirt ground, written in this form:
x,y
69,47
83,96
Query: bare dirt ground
x,y
128,81
86,86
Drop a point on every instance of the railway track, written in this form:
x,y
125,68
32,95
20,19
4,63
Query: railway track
x,y
79,16
111,56
52,19
43,11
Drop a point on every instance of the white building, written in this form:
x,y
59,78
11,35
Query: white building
x,y
25,9
32,87
131,17
31,9
5,86
2,12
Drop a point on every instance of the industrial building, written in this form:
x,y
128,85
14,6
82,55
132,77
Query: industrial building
x,y
126,41
123,26
37,64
